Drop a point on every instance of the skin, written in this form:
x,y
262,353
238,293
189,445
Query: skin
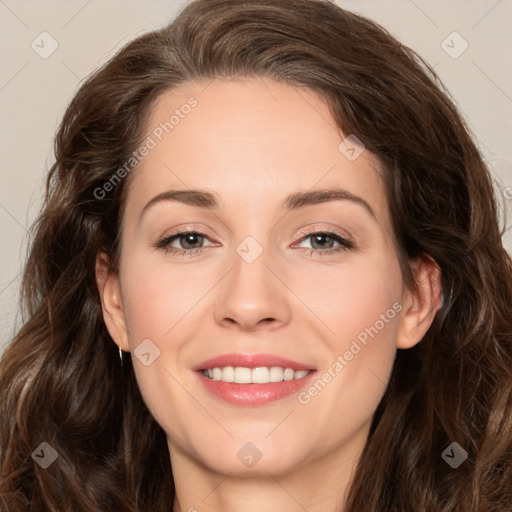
x,y
253,142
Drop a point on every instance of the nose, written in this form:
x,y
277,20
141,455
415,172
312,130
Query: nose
x,y
253,295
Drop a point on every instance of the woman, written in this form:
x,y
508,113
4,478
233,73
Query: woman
x,y
367,370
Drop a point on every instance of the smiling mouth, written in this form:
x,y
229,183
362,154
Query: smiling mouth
x,y
259,375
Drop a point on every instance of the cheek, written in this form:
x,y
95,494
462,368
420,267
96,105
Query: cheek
x,y
156,297
353,308
363,313
352,297
156,300
346,301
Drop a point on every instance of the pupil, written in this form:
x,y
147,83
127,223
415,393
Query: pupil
x,y
190,238
319,238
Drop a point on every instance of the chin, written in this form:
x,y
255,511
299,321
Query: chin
x,y
246,458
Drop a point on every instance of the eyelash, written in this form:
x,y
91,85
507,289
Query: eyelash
x,y
345,244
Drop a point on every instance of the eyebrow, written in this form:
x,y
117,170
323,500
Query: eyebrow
x,y
211,201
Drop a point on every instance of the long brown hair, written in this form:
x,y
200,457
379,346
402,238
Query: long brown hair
x,y
60,378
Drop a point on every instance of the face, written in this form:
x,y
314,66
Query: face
x,y
270,274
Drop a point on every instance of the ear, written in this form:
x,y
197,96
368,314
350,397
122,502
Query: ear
x,y
420,308
109,288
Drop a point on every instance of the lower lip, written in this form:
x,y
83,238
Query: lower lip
x,y
253,394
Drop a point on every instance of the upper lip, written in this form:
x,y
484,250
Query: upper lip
x,y
250,361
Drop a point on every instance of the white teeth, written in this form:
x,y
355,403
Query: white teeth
x,y
276,374
243,375
228,374
261,375
289,374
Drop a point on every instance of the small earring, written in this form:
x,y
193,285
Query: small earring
x,y
121,355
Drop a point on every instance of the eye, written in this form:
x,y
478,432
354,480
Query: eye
x,y
192,243
318,238
189,240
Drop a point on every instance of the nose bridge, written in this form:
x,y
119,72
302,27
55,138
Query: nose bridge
x,y
251,292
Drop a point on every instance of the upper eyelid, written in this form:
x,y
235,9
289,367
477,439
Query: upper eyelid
x,y
339,232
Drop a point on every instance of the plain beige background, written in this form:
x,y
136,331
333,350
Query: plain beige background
x,y
474,64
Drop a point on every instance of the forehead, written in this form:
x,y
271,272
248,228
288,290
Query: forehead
x,y
251,140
